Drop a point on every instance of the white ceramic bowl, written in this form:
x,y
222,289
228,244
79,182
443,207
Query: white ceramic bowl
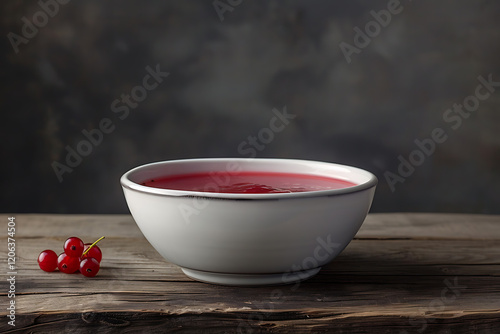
x,y
249,239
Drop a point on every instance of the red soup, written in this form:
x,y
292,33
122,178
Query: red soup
x,y
247,182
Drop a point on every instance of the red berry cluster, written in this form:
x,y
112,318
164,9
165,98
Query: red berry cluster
x,y
76,256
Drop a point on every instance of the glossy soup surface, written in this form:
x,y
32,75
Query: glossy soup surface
x,y
247,182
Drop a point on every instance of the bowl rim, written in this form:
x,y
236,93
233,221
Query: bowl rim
x,y
127,183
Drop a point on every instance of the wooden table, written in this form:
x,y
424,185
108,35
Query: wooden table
x,y
403,273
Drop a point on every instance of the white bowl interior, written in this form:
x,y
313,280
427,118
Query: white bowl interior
x,y
352,174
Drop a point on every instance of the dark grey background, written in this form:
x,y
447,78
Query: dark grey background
x,y
225,79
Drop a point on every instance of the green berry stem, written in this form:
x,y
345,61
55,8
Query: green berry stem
x,y
95,242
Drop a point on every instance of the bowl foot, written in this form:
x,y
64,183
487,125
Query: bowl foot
x,y
250,279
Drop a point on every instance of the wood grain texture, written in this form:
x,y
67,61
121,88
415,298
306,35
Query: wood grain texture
x,y
403,273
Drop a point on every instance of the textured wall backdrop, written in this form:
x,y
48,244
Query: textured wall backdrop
x,y
366,81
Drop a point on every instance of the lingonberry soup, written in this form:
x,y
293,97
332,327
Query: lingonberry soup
x,y
247,182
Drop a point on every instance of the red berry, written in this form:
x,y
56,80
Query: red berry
x,y
89,267
94,252
47,260
68,264
73,247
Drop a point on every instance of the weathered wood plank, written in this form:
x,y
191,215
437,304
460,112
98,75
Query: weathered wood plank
x,y
380,225
441,272
264,322
431,226
362,273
